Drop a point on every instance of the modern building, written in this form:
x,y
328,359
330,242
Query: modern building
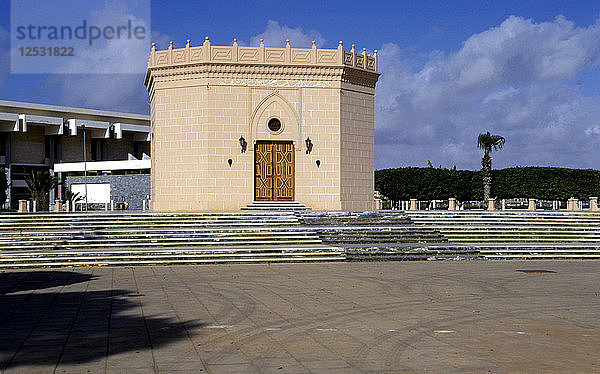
x,y
234,124
47,137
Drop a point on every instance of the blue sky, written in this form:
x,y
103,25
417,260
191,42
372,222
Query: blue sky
x,y
527,70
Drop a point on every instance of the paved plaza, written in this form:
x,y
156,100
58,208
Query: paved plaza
x,y
471,316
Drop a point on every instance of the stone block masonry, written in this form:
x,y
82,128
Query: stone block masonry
x,y
132,188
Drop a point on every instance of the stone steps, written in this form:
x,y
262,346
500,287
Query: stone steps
x,y
508,224
128,256
540,253
103,238
40,240
508,219
343,228
146,221
296,235
507,212
101,215
378,236
34,237
333,237
522,227
412,254
165,243
275,206
523,234
151,233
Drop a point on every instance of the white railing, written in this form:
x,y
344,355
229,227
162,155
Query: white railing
x,y
499,204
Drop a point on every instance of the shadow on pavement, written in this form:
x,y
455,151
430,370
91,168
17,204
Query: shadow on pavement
x,y
49,328
11,282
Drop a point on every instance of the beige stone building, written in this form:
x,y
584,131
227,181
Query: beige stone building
x,y
233,124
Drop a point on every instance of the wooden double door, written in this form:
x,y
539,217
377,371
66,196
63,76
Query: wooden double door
x,y
274,171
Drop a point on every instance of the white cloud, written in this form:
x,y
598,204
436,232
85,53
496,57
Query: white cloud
x,y
513,80
105,89
275,35
115,92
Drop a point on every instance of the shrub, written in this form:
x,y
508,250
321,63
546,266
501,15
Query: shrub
x,y
547,183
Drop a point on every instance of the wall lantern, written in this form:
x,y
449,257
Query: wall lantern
x,y
243,144
309,146
318,163
230,161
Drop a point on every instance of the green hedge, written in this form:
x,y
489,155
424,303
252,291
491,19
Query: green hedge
x,y
545,183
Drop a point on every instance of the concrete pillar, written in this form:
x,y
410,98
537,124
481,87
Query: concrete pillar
x,y
452,203
491,204
594,204
531,204
58,205
572,204
22,206
413,204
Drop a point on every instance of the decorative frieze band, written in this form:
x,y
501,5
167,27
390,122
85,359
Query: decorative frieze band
x,y
276,83
263,76
263,55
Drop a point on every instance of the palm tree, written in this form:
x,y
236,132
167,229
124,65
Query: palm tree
x,y
40,183
71,197
488,143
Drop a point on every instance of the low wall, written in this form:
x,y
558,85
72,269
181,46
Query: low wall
x,y
131,188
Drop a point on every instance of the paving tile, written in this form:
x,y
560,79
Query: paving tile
x,y
322,318
232,368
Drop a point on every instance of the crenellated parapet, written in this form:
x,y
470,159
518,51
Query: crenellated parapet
x,y
207,53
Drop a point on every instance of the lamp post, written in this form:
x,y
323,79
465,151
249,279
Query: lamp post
x,y
84,168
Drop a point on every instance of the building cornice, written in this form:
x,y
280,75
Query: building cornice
x,y
21,107
260,72
262,62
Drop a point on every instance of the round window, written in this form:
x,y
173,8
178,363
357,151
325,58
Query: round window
x,y
274,124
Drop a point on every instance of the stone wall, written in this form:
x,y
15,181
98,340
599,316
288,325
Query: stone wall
x,y
132,188
357,149
118,149
28,147
72,147
196,130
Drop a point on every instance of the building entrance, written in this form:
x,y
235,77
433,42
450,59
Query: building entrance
x,y
274,171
